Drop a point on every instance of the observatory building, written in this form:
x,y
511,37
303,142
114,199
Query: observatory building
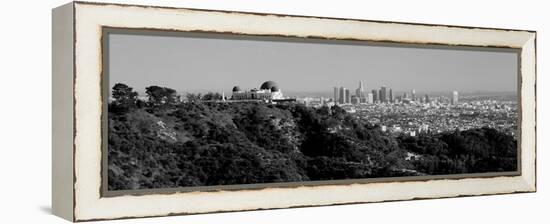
x,y
269,90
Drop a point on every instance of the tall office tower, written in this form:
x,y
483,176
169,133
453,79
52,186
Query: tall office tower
x,y
405,95
360,92
413,94
341,96
336,95
348,97
374,95
454,101
383,94
370,98
391,96
426,98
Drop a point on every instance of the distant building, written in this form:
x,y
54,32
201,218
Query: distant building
x,y
454,100
269,90
374,95
370,98
413,94
391,96
336,94
405,96
347,96
342,95
383,94
426,98
360,92
354,100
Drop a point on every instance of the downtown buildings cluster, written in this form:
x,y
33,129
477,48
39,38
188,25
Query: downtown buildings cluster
x,y
383,95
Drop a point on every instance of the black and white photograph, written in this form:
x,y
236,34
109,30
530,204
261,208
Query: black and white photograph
x,y
349,111
200,109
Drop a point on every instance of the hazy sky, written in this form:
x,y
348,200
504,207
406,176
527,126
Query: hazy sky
x,y
201,64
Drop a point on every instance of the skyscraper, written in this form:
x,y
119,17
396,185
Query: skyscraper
x,y
391,96
336,95
426,98
413,94
454,100
374,95
342,96
370,98
360,92
383,94
348,97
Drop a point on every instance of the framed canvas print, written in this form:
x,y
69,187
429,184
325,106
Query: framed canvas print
x,y
166,111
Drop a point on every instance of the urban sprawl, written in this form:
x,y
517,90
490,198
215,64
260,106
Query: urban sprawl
x,y
414,114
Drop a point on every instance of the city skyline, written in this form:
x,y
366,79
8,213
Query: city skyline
x,y
207,64
385,94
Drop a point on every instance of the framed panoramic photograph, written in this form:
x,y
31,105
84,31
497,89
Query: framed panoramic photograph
x,y
164,111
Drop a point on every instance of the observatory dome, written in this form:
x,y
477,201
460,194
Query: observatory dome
x,y
269,85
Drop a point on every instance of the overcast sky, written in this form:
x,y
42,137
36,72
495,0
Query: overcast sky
x,y
202,64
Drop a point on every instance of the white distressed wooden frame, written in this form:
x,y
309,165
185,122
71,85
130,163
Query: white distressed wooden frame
x,y
77,108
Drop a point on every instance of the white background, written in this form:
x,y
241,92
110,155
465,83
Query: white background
x,y
25,112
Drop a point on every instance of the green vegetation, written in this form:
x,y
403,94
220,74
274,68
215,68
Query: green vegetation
x,y
164,144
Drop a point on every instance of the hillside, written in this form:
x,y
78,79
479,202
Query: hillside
x,y
198,144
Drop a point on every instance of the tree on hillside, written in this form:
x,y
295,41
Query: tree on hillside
x,y
124,98
338,112
161,95
212,96
194,97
